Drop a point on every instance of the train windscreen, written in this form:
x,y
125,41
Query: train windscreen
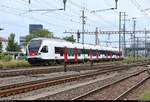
x,y
34,45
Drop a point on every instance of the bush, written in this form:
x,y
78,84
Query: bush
x,y
1,56
1,65
5,58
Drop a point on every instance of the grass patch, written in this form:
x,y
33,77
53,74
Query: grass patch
x,y
14,64
131,59
146,95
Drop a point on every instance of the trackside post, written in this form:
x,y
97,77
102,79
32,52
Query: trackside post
x,y
65,59
91,61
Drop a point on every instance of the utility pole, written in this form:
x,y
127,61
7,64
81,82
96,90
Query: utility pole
x,y
96,36
119,31
134,24
124,34
83,24
137,47
145,43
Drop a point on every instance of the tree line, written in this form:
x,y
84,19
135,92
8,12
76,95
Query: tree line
x,y
15,47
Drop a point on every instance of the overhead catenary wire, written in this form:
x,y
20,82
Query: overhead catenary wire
x,y
95,15
20,15
23,10
138,6
36,19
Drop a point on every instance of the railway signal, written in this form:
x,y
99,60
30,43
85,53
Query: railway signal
x,y
78,36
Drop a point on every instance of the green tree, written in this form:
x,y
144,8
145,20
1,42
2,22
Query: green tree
x,y
39,33
12,45
1,46
69,38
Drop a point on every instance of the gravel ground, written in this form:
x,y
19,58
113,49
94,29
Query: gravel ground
x,y
73,93
115,90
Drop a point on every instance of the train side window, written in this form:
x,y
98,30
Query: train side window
x,y
61,51
57,50
94,53
86,51
45,49
71,52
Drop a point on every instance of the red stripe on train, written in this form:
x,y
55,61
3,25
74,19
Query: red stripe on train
x,y
76,55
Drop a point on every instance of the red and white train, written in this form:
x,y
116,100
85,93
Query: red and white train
x,y
46,50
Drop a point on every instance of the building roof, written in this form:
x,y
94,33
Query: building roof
x,y
3,39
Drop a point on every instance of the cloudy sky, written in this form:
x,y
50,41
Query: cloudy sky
x,y
15,16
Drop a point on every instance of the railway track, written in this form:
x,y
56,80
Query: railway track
x,y
34,85
44,70
105,87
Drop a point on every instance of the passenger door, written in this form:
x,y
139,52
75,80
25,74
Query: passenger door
x,y
44,52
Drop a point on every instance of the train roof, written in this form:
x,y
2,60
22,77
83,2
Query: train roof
x,y
62,42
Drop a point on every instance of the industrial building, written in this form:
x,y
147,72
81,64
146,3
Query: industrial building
x,y
4,43
34,27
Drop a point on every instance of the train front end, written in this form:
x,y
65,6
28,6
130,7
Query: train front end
x,y
33,52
